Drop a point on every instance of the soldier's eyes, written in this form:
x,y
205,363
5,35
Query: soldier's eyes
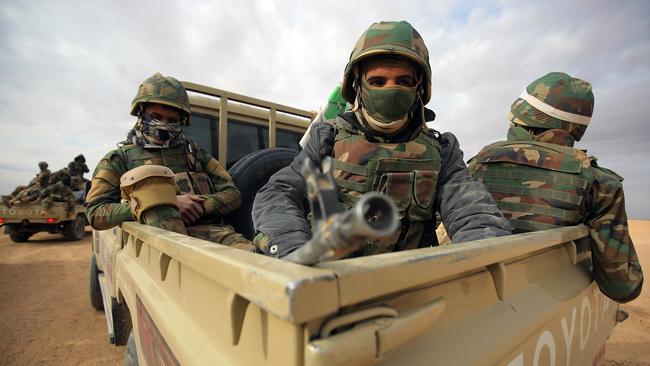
x,y
154,116
401,81
160,117
406,81
377,81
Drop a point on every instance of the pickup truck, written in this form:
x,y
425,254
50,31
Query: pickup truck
x,y
520,300
23,220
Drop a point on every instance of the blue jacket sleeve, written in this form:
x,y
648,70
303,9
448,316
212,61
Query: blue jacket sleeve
x,y
280,207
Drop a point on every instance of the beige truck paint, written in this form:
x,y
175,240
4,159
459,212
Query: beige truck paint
x,y
225,106
517,300
30,218
36,213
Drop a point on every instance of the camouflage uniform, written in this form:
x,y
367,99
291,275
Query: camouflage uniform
x,y
43,177
541,182
422,170
78,166
29,193
196,173
58,192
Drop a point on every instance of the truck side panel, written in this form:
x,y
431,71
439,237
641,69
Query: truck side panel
x,y
519,300
202,315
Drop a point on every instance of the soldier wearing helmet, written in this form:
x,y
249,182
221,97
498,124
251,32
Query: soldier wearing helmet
x,y
383,144
32,190
162,178
540,181
43,176
78,166
59,191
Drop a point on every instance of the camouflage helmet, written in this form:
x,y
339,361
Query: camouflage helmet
x,y
164,90
556,100
42,164
388,38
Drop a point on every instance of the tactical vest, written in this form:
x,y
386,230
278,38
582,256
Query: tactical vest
x,y
537,185
407,172
189,174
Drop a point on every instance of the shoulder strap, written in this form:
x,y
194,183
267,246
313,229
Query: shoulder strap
x,y
122,152
432,137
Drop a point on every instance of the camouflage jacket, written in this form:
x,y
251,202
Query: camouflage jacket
x,y
105,209
42,178
77,168
542,182
57,192
465,207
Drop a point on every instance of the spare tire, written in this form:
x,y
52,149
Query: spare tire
x,y
249,174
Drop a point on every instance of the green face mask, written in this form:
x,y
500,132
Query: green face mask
x,y
387,104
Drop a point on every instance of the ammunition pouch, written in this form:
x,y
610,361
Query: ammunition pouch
x,y
193,183
148,186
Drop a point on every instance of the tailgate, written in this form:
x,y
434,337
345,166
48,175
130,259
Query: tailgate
x,y
516,300
34,213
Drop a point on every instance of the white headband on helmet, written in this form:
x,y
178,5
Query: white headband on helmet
x,y
554,112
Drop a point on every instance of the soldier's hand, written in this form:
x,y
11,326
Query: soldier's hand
x,y
191,207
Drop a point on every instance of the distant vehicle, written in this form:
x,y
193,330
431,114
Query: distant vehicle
x,y
21,221
520,300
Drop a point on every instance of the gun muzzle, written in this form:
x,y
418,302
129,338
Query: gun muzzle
x,y
373,217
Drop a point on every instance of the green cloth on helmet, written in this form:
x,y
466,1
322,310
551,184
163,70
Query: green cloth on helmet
x,y
560,91
388,38
335,104
164,90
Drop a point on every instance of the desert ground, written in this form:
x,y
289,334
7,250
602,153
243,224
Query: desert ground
x,y
46,317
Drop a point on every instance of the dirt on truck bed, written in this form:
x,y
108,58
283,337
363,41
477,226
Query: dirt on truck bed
x,y
46,317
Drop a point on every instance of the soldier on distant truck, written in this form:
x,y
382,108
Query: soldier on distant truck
x,y
165,180
383,144
59,191
29,193
540,181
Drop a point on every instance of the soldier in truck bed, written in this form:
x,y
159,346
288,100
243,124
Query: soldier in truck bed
x,y
78,166
383,144
59,191
155,150
540,181
23,194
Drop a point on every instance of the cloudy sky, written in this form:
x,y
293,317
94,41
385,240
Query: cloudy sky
x,y
69,69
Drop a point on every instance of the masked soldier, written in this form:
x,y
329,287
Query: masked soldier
x,y
383,144
540,181
166,180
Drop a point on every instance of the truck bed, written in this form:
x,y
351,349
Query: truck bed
x,y
519,300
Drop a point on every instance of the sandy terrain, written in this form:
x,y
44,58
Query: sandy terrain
x,y
45,312
629,343
46,317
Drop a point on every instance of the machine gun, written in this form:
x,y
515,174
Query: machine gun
x,y
337,233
